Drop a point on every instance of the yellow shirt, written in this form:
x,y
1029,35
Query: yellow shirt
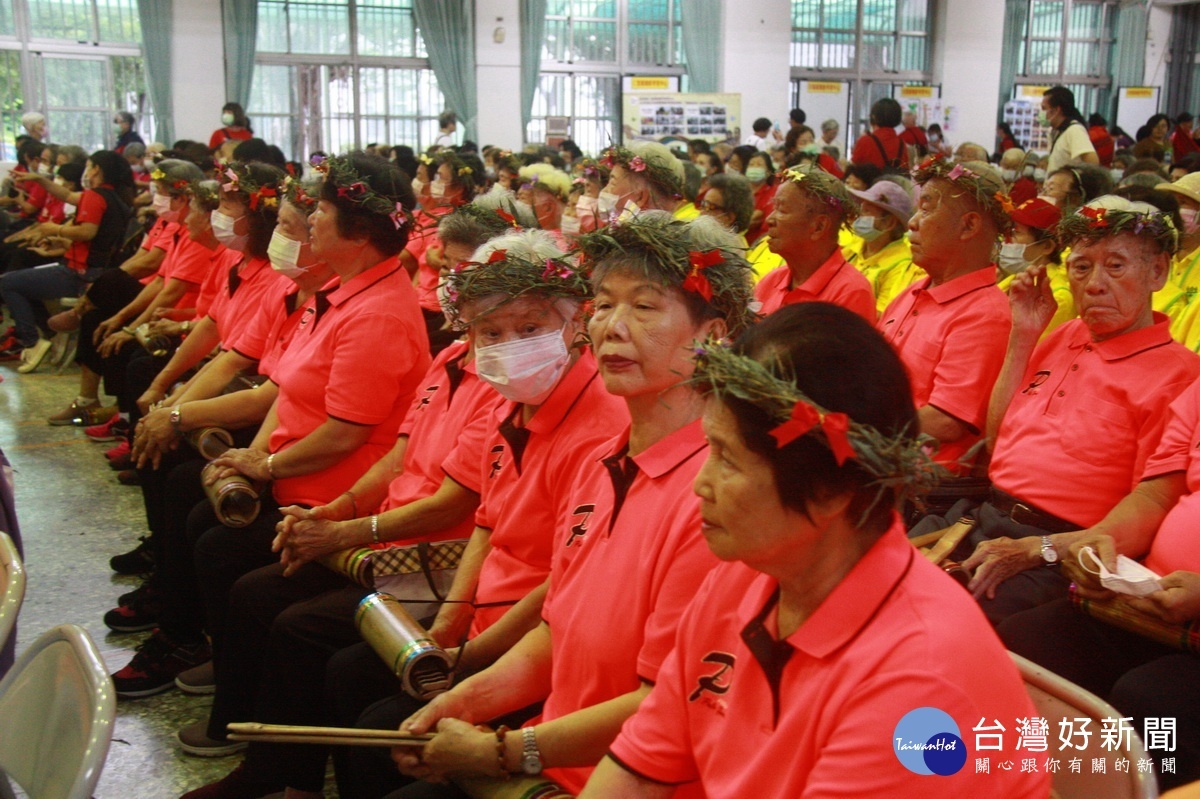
x,y
1172,300
686,211
1060,286
851,244
889,271
762,259
1185,271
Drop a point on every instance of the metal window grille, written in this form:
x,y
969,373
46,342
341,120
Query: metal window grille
x,y
335,75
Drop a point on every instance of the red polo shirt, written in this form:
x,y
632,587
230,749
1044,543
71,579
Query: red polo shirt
x,y
1174,546
240,294
834,281
222,260
600,656
450,398
423,237
895,635
274,325
92,206
952,339
526,474
189,262
358,357
1076,438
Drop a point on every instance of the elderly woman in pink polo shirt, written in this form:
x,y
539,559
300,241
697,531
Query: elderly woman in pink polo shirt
x,y
824,629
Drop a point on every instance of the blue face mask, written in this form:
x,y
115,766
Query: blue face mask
x,y
864,226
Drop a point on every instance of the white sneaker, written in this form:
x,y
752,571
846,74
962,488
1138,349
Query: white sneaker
x,y
32,357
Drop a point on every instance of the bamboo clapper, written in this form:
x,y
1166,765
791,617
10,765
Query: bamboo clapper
x,y
329,736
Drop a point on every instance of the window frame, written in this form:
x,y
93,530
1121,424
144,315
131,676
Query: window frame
x,y
620,68
1091,90
355,62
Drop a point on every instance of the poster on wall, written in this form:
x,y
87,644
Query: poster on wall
x,y
1021,114
1135,105
674,115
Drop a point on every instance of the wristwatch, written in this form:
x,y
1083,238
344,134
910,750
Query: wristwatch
x,y
1049,553
531,756
176,418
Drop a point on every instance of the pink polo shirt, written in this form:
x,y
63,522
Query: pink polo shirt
x,y
1076,438
834,281
1174,547
449,399
357,356
641,522
895,635
222,259
952,339
189,262
239,295
526,473
270,331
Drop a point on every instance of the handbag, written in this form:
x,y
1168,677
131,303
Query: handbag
x,y
418,575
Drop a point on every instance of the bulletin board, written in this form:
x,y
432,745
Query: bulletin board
x,y
825,99
658,115
1135,105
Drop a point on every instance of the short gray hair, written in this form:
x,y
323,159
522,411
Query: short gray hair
x,y
738,197
830,124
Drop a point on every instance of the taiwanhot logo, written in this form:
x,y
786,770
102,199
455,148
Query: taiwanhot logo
x,y
927,741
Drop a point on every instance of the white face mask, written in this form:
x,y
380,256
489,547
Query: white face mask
x,y
606,203
285,255
437,189
418,186
68,209
587,204
44,169
222,228
570,225
1191,221
227,118
1009,175
1011,259
162,207
525,370
1117,174
864,226
1039,175
148,162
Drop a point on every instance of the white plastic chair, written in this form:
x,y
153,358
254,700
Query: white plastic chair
x,y
57,706
1056,698
12,586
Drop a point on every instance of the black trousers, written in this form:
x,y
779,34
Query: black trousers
x,y
140,371
1140,678
1022,591
362,692
281,632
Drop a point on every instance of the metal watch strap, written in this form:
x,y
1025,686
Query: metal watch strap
x,y
1049,553
531,757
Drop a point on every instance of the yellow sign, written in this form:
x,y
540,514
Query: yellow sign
x,y
1034,91
916,91
824,87
1139,91
658,83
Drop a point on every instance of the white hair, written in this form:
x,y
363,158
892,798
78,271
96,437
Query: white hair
x,y
531,245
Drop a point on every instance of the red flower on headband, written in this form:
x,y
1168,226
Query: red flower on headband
x,y
697,282
804,418
352,192
1096,215
263,196
497,256
637,164
507,217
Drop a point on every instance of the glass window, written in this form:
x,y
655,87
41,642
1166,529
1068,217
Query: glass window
x,y
305,107
82,20
591,103
1070,42
825,35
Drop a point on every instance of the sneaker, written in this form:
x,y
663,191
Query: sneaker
x,y
138,560
157,663
193,739
237,784
89,413
114,429
198,681
143,590
120,457
33,356
10,349
138,614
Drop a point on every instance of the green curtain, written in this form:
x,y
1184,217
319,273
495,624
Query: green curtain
x,y
533,30
156,17
448,28
1129,55
1016,18
702,43
241,31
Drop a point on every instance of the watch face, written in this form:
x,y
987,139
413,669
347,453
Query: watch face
x,y
1050,554
531,764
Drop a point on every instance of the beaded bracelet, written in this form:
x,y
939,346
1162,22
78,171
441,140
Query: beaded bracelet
x,y
375,528
502,751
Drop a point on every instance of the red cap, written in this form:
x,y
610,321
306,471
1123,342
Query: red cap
x,y
1037,214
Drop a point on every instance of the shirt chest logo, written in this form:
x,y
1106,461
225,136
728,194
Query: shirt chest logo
x,y
497,462
425,400
581,516
712,687
1035,385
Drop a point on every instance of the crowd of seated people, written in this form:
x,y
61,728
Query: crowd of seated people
x,y
677,415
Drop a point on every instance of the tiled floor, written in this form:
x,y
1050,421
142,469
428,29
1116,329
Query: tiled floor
x,y
74,516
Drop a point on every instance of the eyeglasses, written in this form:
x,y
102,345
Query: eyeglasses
x,y
705,205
